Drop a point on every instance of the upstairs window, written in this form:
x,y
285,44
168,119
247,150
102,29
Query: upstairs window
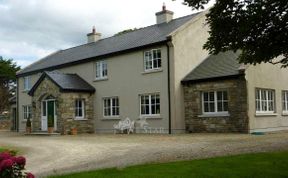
x,y
152,59
111,107
265,101
79,109
27,112
215,102
101,70
27,83
285,101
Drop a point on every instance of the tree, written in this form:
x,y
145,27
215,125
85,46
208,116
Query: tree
x,y
8,71
126,31
259,28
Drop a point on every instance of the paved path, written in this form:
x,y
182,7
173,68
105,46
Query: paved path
x,y
48,155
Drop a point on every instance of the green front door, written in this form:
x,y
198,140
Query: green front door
x,y
50,113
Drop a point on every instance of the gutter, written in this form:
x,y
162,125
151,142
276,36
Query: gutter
x,y
169,95
17,105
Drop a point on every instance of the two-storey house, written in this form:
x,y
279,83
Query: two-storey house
x,y
159,73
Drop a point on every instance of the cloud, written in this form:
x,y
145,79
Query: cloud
x,y
32,29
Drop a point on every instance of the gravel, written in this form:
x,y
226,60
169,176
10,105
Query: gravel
x,y
49,155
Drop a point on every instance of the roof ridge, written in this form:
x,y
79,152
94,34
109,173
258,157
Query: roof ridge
x,y
141,28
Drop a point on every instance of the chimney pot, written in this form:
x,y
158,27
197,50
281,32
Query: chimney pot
x,y
164,7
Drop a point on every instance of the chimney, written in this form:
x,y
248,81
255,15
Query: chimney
x,y
164,15
94,36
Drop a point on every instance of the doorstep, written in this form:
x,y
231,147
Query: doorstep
x,y
43,134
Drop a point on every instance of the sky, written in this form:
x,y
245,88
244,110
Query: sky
x,y
33,29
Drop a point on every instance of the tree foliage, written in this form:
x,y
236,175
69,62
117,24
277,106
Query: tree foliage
x,y
259,28
126,31
8,71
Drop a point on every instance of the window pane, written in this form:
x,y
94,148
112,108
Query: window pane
x,y
263,95
271,106
205,96
206,107
258,105
44,108
257,94
212,107
211,96
219,95
219,106
264,105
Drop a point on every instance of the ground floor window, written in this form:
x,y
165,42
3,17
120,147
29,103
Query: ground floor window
x,y
150,104
27,111
111,106
215,102
265,101
79,108
285,101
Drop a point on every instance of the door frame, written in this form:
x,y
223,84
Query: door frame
x,y
55,115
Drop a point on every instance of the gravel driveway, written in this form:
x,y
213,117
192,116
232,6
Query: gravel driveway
x,y
47,155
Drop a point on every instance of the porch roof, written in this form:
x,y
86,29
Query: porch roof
x,y
222,65
66,82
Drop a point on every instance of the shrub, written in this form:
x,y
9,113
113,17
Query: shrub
x,y
13,166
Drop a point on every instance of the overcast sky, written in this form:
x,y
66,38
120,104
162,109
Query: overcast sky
x,y
32,29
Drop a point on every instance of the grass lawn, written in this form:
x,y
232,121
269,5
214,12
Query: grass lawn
x,y
12,151
260,165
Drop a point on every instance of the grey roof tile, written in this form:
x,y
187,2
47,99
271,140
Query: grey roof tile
x,y
66,82
215,66
142,37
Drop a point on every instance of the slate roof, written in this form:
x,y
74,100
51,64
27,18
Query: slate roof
x,y
145,36
66,82
215,66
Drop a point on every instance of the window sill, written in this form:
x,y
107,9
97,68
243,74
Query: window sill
x,y
265,114
111,118
152,71
215,115
284,113
150,117
100,79
25,91
80,119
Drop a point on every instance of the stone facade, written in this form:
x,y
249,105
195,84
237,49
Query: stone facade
x,y
237,121
65,108
5,124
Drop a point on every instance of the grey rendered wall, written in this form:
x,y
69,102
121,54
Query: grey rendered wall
x,y
267,76
188,53
127,80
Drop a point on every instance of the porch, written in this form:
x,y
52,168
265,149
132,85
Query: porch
x,y
61,102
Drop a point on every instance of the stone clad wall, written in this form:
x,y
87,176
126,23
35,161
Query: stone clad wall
x,y
5,124
65,108
67,112
237,106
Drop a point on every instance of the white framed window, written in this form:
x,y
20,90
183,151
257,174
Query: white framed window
x,y
27,112
285,101
152,59
27,83
111,107
79,109
150,104
215,102
101,69
265,101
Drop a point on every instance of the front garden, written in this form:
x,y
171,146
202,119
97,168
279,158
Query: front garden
x,y
260,165
12,166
